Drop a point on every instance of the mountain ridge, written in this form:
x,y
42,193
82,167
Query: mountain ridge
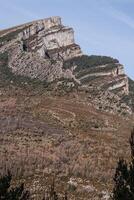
x,y
63,114
45,49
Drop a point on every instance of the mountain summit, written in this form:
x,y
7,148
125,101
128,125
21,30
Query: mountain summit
x,y
63,114
46,50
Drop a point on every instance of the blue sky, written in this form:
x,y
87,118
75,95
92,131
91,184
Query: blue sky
x,y
102,27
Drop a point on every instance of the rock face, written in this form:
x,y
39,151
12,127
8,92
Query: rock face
x,y
46,50
49,35
40,49
104,82
100,71
114,78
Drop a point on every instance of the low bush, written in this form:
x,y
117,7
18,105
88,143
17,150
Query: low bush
x,y
85,62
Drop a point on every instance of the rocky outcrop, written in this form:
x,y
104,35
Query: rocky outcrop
x,y
40,48
104,81
100,71
46,50
49,35
131,93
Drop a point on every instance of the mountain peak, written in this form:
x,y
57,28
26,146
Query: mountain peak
x,y
45,49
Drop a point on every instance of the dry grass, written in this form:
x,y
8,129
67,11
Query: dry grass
x,y
42,136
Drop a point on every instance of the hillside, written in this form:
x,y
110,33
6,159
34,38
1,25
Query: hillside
x,y
46,50
131,89
63,114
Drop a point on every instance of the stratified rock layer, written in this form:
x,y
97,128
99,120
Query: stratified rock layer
x,y
46,50
40,49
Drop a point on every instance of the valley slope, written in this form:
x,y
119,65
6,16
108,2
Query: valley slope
x,y
63,114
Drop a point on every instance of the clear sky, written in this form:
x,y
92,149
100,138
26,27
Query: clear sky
x,y
102,27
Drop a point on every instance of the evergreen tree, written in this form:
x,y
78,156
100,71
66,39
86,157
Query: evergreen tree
x,y
124,176
8,193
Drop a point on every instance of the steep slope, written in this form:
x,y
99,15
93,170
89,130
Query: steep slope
x,y
45,50
42,46
131,94
42,135
104,81
52,111
108,72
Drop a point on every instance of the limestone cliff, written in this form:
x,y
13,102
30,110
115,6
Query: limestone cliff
x,y
40,48
46,50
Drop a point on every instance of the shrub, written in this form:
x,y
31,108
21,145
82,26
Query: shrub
x,y
8,193
7,76
131,94
19,193
124,177
11,35
85,62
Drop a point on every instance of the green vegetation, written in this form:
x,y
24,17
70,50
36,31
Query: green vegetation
x,y
92,70
85,62
131,85
9,193
128,99
124,177
19,193
11,35
7,77
131,89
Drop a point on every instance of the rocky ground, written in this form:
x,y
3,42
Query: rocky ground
x,y
44,136
63,115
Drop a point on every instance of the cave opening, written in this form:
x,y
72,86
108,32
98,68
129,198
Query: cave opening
x,y
117,71
47,54
25,47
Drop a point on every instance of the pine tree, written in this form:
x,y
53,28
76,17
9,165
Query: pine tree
x,y
8,193
124,176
